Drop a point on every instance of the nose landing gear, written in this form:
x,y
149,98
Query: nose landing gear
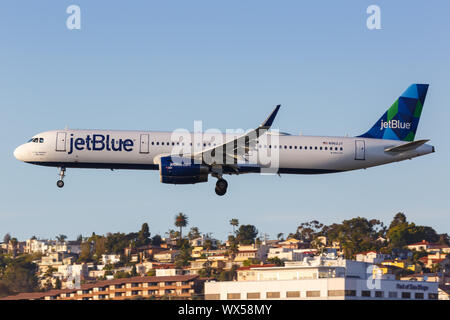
x,y
221,187
62,173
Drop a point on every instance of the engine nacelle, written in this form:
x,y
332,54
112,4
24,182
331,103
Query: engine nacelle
x,y
178,170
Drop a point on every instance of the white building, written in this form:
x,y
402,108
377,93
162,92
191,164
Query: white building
x,y
200,241
288,254
319,279
110,258
51,246
371,257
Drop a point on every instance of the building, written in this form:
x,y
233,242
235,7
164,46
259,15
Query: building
x,y
396,263
442,278
51,246
288,254
166,256
110,258
436,258
321,280
201,241
370,256
248,252
422,245
184,286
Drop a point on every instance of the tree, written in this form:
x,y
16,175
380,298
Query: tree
x,y
234,222
61,238
246,234
399,218
280,236
58,284
233,244
143,237
133,271
307,231
7,238
194,233
182,259
181,221
156,240
277,261
402,233
20,275
85,254
251,261
14,243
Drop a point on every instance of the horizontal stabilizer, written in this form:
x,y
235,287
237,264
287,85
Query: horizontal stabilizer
x,y
407,146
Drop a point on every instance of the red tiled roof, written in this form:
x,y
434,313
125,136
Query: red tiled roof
x,y
423,242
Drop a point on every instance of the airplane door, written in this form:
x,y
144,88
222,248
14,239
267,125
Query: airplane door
x,y
61,141
360,150
144,143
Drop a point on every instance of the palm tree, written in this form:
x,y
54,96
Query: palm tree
x,y
181,220
234,222
280,236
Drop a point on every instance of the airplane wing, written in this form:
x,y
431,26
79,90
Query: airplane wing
x,y
407,146
239,147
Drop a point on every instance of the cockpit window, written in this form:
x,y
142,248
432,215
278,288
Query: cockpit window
x,y
35,140
41,140
30,140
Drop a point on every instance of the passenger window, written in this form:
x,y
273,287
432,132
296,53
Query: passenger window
x,y
157,143
310,148
315,148
153,143
320,148
341,149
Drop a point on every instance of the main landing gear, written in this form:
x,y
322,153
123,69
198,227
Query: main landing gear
x,y
62,173
221,187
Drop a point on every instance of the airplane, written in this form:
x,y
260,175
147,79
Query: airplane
x,y
189,159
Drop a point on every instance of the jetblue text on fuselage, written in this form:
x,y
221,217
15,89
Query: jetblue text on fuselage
x,y
395,124
99,142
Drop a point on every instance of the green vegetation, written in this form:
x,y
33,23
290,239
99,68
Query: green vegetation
x,y
181,221
17,274
359,234
246,234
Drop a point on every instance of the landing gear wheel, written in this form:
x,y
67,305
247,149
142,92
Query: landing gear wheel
x,y
62,173
221,187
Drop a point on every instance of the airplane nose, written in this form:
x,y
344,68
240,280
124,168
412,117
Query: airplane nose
x,y
19,153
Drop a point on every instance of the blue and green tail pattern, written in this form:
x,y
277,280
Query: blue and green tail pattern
x,y
400,121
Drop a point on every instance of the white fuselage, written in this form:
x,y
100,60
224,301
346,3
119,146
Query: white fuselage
x,y
139,149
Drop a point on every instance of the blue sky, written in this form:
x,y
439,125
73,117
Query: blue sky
x,y
160,65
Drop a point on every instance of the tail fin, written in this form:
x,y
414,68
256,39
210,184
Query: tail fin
x,y
400,121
